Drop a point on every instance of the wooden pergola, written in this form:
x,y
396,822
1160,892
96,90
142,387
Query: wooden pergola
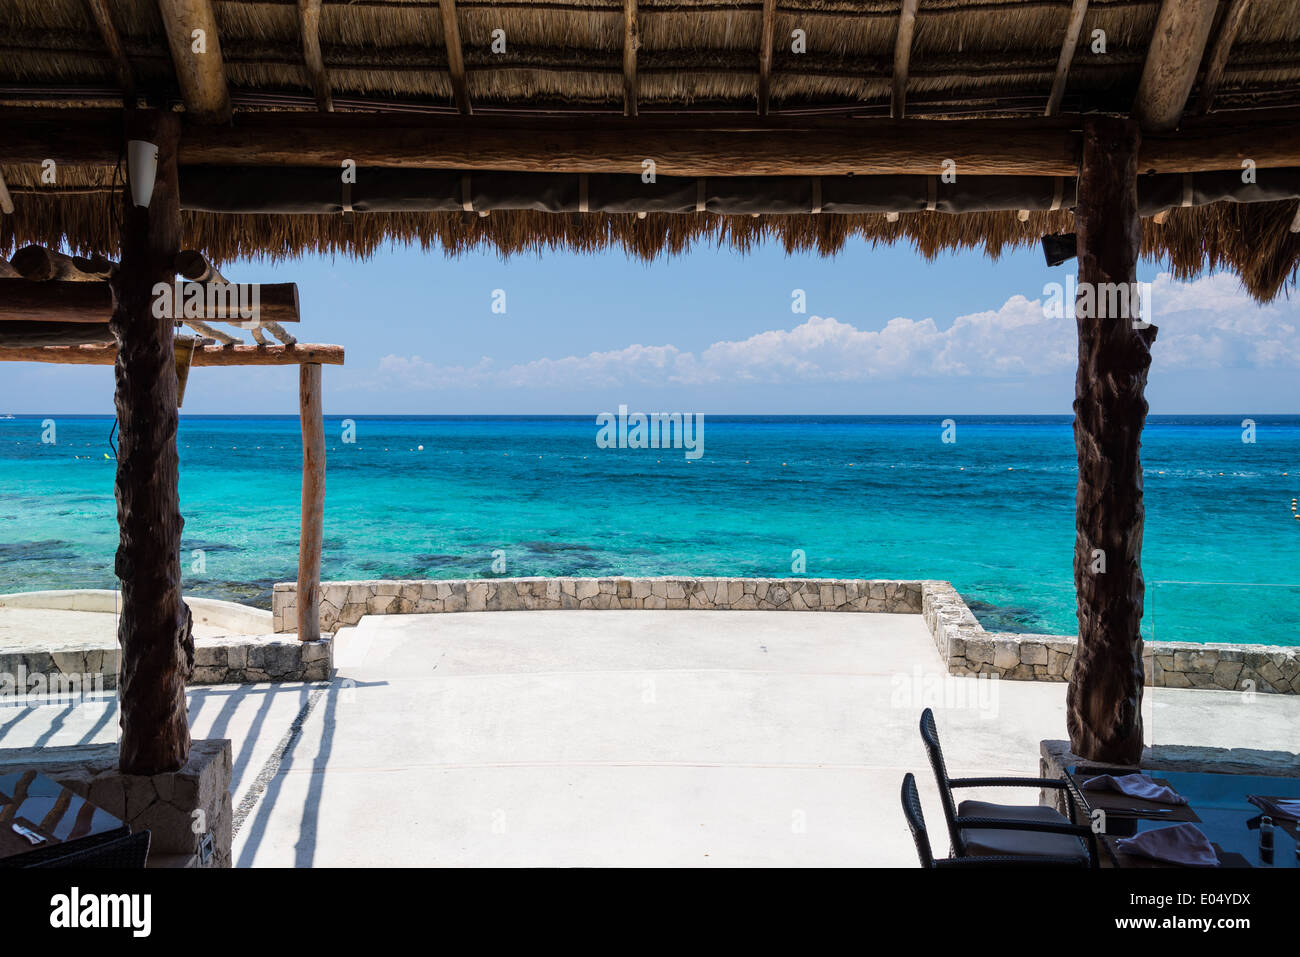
x,y
61,309
1165,128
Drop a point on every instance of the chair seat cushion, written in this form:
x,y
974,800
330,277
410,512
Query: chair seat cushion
x,y
981,841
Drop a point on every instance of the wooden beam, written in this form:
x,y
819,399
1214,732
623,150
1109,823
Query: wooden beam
x,y
765,43
22,300
1177,45
631,40
194,266
1104,697
726,146
26,336
455,55
105,355
1218,59
41,265
6,200
313,501
201,76
309,25
25,300
864,149
103,17
154,624
902,58
1078,10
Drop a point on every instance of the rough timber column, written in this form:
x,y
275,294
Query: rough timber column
x,y
313,500
1104,698
155,626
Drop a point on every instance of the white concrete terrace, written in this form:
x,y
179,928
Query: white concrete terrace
x,y
659,738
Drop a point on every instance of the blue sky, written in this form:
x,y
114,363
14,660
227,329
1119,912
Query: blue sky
x,y
884,332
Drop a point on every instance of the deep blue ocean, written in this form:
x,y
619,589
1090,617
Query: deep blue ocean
x,y
869,497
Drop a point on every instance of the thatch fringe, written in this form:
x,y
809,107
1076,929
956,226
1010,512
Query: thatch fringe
x,y
1253,240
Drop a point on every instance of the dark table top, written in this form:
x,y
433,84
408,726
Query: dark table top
x,y
1218,806
38,814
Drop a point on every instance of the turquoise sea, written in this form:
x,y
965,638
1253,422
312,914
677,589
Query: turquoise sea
x,y
871,497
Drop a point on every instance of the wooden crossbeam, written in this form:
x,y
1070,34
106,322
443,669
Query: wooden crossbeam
x,y
455,55
309,25
104,355
1177,45
34,335
765,56
191,26
1046,146
902,58
40,265
100,13
1078,10
1218,59
631,41
24,300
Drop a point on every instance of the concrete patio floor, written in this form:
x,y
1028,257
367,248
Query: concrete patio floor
x,y
676,738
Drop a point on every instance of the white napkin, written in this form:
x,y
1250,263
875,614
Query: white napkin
x,y
1137,786
1176,844
1287,808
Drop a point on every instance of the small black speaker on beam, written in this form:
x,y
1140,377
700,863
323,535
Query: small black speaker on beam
x,y
1060,248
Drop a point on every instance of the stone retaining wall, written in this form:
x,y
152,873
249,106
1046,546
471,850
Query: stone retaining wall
x,y
344,603
961,639
970,650
237,659
252,659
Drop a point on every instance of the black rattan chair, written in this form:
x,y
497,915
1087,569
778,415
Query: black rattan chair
x,y
916,823
979,828
123,853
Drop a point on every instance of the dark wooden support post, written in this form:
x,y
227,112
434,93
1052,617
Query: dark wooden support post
x,y
313,501
1104,698
155,625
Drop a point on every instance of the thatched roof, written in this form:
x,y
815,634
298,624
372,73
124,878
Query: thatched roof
x,y
968,59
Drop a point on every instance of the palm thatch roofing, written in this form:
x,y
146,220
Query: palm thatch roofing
x,y
965,59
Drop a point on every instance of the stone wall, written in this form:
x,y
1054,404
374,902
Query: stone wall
x,y
238,659
164,804
970,650
253,658
961,639
344,603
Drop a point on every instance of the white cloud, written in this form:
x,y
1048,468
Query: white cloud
x,y
1211,323
1204,324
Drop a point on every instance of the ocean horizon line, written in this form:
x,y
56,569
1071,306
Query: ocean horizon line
x,y
573,416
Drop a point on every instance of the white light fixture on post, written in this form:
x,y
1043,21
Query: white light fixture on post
x,y
142,167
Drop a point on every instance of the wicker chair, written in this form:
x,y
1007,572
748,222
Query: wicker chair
x,y
982,829
123,853
916,823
